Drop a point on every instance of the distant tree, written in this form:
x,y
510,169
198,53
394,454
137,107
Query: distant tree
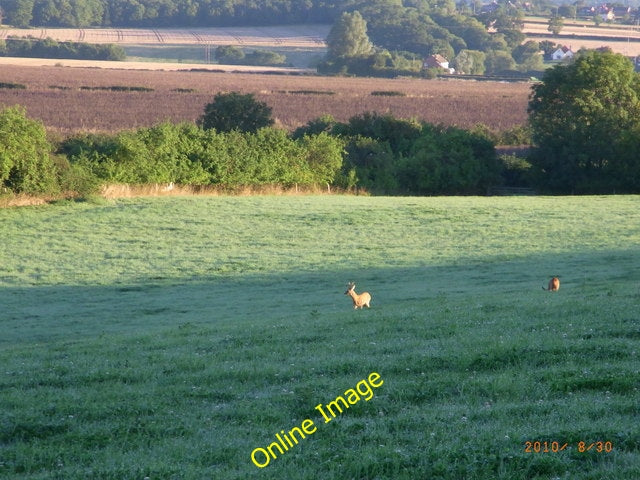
x,y
265,57
348,37
26,165
229,54
469,62
548,47
236,111
585,121
528,56
499,61
555,24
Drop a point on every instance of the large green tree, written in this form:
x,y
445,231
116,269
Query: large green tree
x,y
348,37
585,119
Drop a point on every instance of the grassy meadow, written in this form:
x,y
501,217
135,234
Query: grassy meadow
x,y
167,338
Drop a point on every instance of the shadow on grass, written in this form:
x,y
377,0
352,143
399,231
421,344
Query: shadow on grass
x,y
42,313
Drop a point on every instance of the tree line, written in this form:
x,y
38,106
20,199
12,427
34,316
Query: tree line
x,y
49,48
168,13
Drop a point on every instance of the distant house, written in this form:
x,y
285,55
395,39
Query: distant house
x,y
437,61
562,53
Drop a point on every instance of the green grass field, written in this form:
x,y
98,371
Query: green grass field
x,y
299,57
169,338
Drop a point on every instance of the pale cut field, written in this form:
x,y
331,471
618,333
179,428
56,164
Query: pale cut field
x,y
627,40
308,36
8,62
629,49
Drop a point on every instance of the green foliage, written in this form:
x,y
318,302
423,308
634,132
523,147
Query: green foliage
x,y
265,57
325,123
236,111
228,54
348,37
18,12
517,171
498,62
518,135
528,57
323,156
49,48
556,23
188,155
76,178
389,155
470,62
372,165
26,165
381,63
231,55
400,134
585,119
450,161
160,154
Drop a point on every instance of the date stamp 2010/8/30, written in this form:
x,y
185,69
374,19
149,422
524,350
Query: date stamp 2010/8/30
x,y
555,447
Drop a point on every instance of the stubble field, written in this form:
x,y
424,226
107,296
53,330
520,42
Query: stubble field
x,y
172,337
74,99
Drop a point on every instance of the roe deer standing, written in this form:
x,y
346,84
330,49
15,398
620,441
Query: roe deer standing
x,y
358,300
554,285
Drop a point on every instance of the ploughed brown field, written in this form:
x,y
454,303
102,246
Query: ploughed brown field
x,y
69,100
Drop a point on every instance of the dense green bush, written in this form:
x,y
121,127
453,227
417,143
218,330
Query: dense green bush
x,y
517,171
26,165
187,154
388,155
379,153
450,161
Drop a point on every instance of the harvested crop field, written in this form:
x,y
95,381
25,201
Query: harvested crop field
x,y
106,100
286,35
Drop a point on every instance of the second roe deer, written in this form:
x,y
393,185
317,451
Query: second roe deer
x,y
554,285
359,301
